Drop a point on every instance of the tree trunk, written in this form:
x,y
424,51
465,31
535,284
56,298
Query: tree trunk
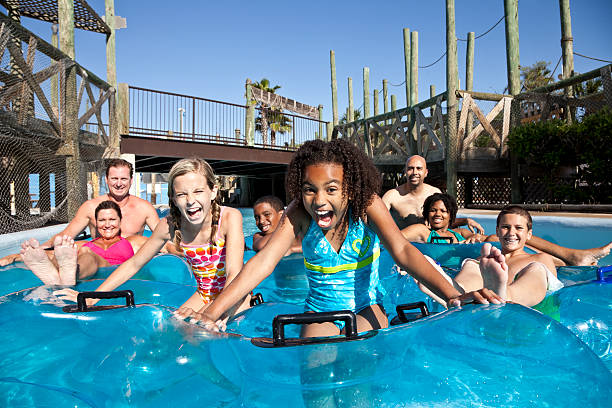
x,y
264,125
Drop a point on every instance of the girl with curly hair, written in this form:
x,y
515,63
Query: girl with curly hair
x,y
335,208
209,235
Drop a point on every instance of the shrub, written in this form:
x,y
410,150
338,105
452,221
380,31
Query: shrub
x,y
586,144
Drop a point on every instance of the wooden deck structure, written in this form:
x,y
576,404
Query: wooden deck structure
x,y
390,138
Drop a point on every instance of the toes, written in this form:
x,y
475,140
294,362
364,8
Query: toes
x,y
57,241
67,241
486,249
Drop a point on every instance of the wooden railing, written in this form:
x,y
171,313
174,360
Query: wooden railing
x,y
392,137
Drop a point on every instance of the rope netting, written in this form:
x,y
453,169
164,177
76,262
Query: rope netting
x,y
33,159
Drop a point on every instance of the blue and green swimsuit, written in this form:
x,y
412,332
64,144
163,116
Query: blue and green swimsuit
x,y
344,280
435,234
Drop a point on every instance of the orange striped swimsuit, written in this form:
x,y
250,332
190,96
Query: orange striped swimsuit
x,y
208,265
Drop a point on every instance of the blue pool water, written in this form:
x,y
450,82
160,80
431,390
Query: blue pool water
x,y
141,356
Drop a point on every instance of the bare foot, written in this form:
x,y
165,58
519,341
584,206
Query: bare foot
x,y
37,260
494,270
587,257
66,257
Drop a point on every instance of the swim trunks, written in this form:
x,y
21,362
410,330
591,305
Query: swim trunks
x,y
208,265
343,280
116,254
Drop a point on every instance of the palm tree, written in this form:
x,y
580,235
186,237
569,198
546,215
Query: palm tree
x,y
536,75
279,123
262,122
356,116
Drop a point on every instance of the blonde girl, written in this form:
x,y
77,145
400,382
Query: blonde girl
x,y
209,235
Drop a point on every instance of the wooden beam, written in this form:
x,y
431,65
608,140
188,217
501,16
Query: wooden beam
x,y
46,48
483,96
506,127
485,123
26,93
95,108
6,94
463,117
18,58
98,113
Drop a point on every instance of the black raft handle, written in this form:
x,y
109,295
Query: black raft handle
x,y
434,239
83,296
256,299
401,309
346,316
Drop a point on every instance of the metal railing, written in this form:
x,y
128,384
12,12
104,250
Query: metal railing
x,y
176,116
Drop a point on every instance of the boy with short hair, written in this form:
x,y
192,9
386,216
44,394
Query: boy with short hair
x,y
268,211
512,273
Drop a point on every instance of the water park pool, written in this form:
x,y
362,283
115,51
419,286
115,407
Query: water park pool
x,y
140,355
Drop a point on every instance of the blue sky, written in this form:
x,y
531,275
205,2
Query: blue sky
x,y
208,49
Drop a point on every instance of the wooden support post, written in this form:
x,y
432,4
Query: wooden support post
x,y
469,77
95,184
61,192
376,135
334,87
75,176
111,67
567,42
366,92
414,68
451,100
16,72
414,83
512,46
320,136
514,88
432,93
123,108
407,69
249,120
375,95
393,103
351,106
111,79
54,78
153,199
386,98
567,48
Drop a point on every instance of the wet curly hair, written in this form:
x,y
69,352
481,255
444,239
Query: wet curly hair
x,y
361,179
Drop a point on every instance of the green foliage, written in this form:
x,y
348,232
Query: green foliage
x,y
270,118
356,116
265,85
554,144
483,140
588,87
536,75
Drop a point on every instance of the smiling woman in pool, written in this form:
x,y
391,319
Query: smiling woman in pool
x,y
440,211
79,260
